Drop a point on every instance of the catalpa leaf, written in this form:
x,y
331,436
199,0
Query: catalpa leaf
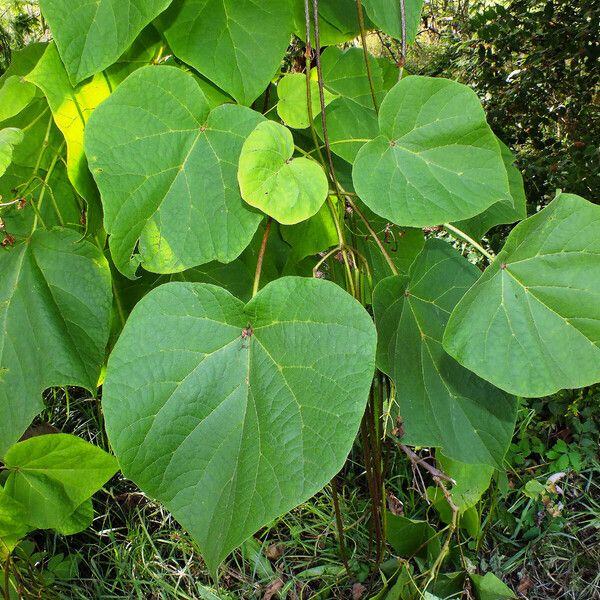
x,y
168,175
349,126
489,587
441,403
9,138
387,16
411,537
288,189
531,324
237,45
51,476
55,301
231,414
311,236
92,35
81,518
41,138
435,160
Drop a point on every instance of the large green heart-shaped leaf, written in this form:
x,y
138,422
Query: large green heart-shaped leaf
x,y
435,160
168,175
531,324
386,14
55,301
92,35
441,403
288,189
237,45
9,138
232,414
52,475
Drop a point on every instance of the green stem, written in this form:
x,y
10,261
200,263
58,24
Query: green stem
x,y
468,239
374,235
261,255
363,38
119,303
45,185
402,60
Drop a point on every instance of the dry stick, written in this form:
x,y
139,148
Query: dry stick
x,y
421,462
376,475
374,235
324,124
338,515
363,38
261,255
451,530
387,47
340,525
339,230
439,477
6,587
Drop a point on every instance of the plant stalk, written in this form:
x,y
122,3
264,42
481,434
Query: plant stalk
x,y
261,255
363,38
340,526
469,240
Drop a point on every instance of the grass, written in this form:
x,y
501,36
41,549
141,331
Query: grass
x,y
136,550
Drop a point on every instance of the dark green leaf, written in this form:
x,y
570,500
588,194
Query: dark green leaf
x,y
531,324
441,403
237,45
55,300
52,475
233,414
92,35
435,160
168,176
411,537
387,16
